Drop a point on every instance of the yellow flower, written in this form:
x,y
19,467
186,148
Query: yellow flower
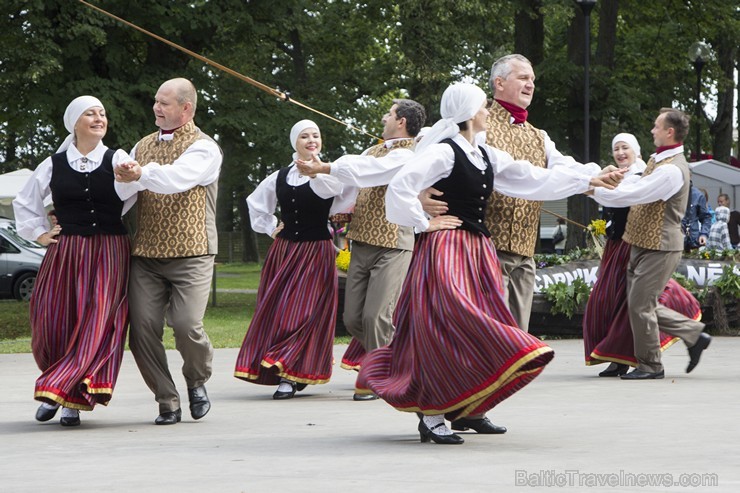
x,y
598,227
343,258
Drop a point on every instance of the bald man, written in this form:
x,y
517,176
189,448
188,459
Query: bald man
x,y
174,174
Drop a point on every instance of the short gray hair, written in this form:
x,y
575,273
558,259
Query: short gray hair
x,y
502,68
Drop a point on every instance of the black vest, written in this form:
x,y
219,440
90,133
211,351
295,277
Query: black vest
x,y
304,214
86,203
466,190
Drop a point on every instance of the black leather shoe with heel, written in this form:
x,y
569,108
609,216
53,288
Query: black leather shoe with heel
x,y
482,426
199,402
426,434
614,370
169,418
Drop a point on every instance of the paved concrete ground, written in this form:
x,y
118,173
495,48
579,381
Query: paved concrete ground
x,y
565,429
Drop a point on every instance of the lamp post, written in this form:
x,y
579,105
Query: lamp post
x,y
586,7
698,54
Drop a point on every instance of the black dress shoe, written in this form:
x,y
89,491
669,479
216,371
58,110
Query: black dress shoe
x,y
45,414
482,426
643,375
199,403
364,397
695,351
169,418
300,386
614,370
280,395
426,434
70,421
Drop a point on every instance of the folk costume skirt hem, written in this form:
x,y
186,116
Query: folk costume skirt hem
x,y
353,356
79,319
292,332
457,349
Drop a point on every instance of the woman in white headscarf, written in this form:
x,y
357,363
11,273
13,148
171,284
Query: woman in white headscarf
x,y
79,310
457,351
607,334
290,339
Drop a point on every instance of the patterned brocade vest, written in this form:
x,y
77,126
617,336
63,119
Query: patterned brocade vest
x,y
179,224
513,222
369,224
657,225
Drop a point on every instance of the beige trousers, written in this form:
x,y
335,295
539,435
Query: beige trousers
x,y
373,286
518,273
647,274
176,290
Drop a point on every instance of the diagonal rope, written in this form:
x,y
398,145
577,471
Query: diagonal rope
x,y
244,78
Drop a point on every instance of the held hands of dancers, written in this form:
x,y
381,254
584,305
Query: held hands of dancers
x,y
431,206
608,179
313,167
127,172
443,222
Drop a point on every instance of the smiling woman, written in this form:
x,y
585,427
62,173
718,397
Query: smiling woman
x,y
79,311
289,342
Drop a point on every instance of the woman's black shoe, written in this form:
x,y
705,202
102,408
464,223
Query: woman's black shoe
x,y
614,370
482,426
280,395
43,413
70,420
425,434
300,386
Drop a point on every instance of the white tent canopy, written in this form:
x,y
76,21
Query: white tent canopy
x,y
716,178
10,184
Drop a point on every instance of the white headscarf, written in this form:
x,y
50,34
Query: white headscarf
x,y
296,131
74,111
628,139
460,103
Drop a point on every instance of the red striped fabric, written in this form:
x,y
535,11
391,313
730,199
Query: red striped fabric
x,y
457,349
353,356
79,319
607,335
292,332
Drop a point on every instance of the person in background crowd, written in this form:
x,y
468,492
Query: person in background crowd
x,y
696,221
733,224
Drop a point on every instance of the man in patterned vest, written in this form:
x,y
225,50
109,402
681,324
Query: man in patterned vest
x,y
381,251
514,223
174,247
657,202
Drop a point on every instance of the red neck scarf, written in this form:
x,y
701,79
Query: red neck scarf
x,y
665,148
167,132
519,114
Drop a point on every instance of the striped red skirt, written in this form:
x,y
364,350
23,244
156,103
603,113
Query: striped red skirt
x,y
79,319
292,331
607,334
457,349
353,356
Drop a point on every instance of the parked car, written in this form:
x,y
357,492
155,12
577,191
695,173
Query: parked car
x,y
19,262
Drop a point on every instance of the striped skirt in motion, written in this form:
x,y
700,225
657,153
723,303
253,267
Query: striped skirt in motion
x,y
292,331
607,334
457,349
79,318
353,356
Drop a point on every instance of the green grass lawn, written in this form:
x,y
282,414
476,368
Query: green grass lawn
x,y
226,323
